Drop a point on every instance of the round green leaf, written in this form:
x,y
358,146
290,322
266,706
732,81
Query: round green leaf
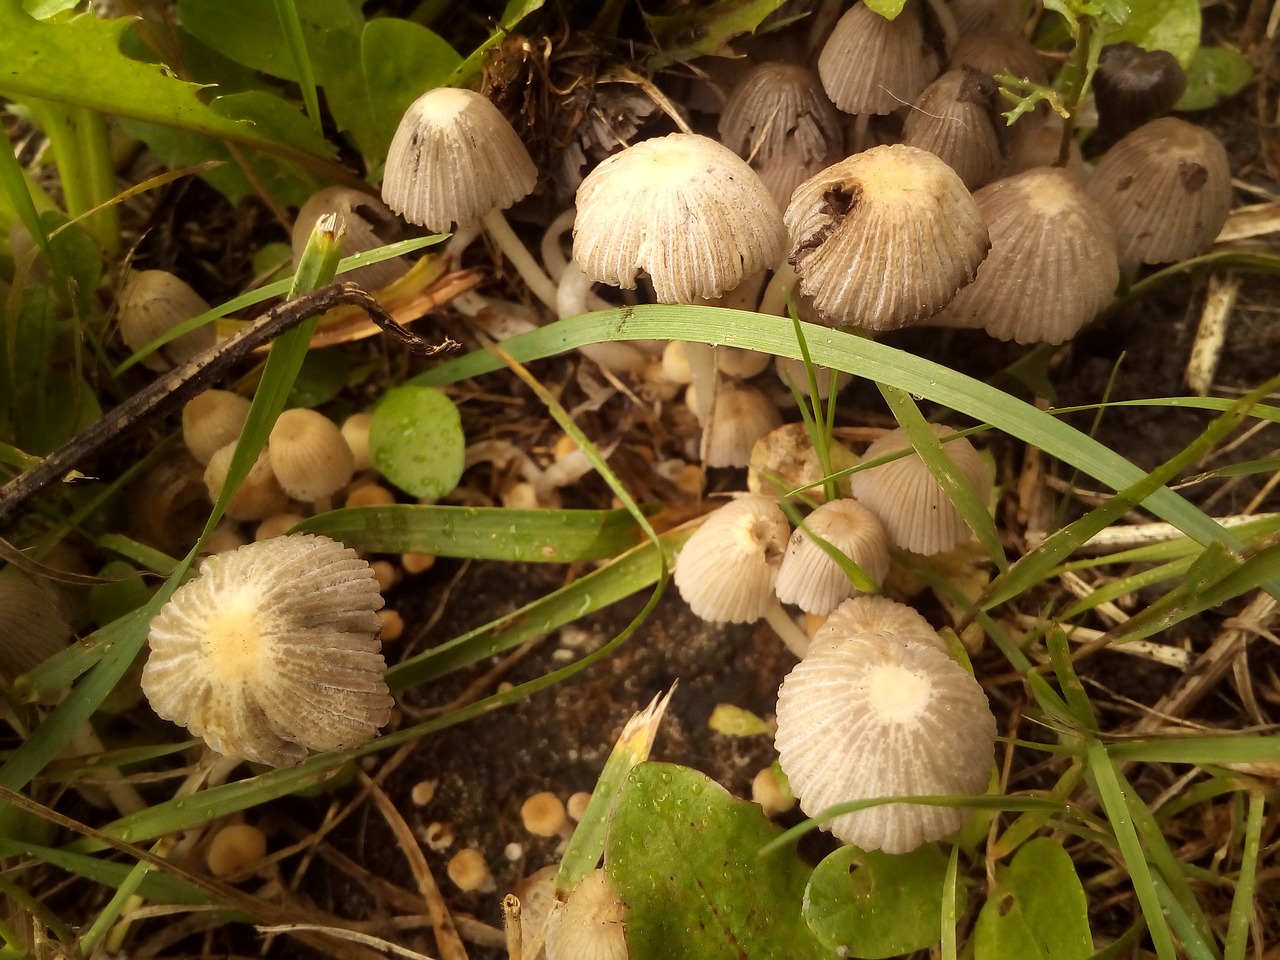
x,y
416,441
1037,911
871,904
1214,73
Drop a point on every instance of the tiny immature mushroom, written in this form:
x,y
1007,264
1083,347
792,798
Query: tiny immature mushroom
x,y
258,497
1134,86
727,568
153,302
543,814
211,420
809,578
234,848
469,871
272,651
868,713
873,65
740,415
309,455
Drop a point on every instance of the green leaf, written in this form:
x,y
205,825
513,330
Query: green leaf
x,y
323,375
1037,911
1172,25
872,904
482,533
889,9
706,29
685,857
416,441
1213,74
267,111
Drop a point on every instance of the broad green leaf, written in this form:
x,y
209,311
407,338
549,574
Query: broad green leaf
x,y
711,26
416,441
267,111
481,533
1037,910
1213,74
872,904
685,857
53,408
1172,25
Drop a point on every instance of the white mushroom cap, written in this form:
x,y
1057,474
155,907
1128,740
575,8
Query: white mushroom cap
x,y
740,416
454,158
727,568
881,616
869,715
913,507
884,238
211,420
309,455
686,210
809,578
590,924
271,651
367,223
871,64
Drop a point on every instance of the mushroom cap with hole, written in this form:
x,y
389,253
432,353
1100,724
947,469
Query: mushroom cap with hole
x,y
884,238
915,510
367,225
779,120
872,714
590,924
153,302
309,455
454,158
273,651
871,64
682,208
1167,187
1052,264
955,119
727,568
814,582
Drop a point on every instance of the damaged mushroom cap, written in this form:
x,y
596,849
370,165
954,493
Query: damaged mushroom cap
x,y
590,924
873,65
872,714
684,209
1167,187
1052,264
728,566
885,238
367,225
454,158
780,121
813,581
955,119
915,510
153,302
273,650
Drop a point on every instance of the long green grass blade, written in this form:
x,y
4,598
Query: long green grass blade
x,y
292,29
1238,747
1246,882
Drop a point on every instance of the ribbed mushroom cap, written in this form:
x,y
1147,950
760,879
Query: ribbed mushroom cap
x,y
727,568
913,507
779,119
32,625
211,420
309,455
870,714
259,495
271,651
684,209
879,616
367,225
590,924
153,302
884,238
1133,86
809,578
1167,187
955,120
454,158
993,52
873,65
740,416
1052,264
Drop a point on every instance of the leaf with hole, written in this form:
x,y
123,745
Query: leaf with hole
x,y
1037,911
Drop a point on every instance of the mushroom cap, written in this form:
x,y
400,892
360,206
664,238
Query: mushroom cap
x,y
779,120
955,120
272,650
871,64
1052,264
884,238
686,210
878,615
454,158
589,925
999,51
1134,86
258,497
871,714
309,455
153,302
367,225
32,625
915,511
740,416
1167,187
809,578
211,420
727,568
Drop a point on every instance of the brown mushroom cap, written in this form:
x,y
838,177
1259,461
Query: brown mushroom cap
x,y
884,238
153,302
309,455
1052,264
454,158
211,420
955,120
871,64
1167,187
727,568
367,225
32,624
1134,86
684,209
271,651
869,714
809,578
993,52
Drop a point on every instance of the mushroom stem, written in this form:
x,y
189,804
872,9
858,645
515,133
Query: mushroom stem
x,y
702,373
573,295
462,238
947,22
787,630
553,256
781,286
498,228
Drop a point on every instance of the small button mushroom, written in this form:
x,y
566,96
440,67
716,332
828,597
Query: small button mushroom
x,y
259,495
309,455
739,417
368,224
153,302
543,814
211,420
469,871
727,568
868,713
814,582
234,848
1134,86
271,651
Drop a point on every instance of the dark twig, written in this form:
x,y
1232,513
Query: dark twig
x,y
171,390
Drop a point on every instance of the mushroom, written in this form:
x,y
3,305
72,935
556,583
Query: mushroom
x,y
590,924
810,578
259,495
469,871
992,52
915,510
271,651
739,417
153,302
309,455
234,848
367,223
872,713
456,160
727,568
32,623
1134,86
211,420
543,814
884,238
955,120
